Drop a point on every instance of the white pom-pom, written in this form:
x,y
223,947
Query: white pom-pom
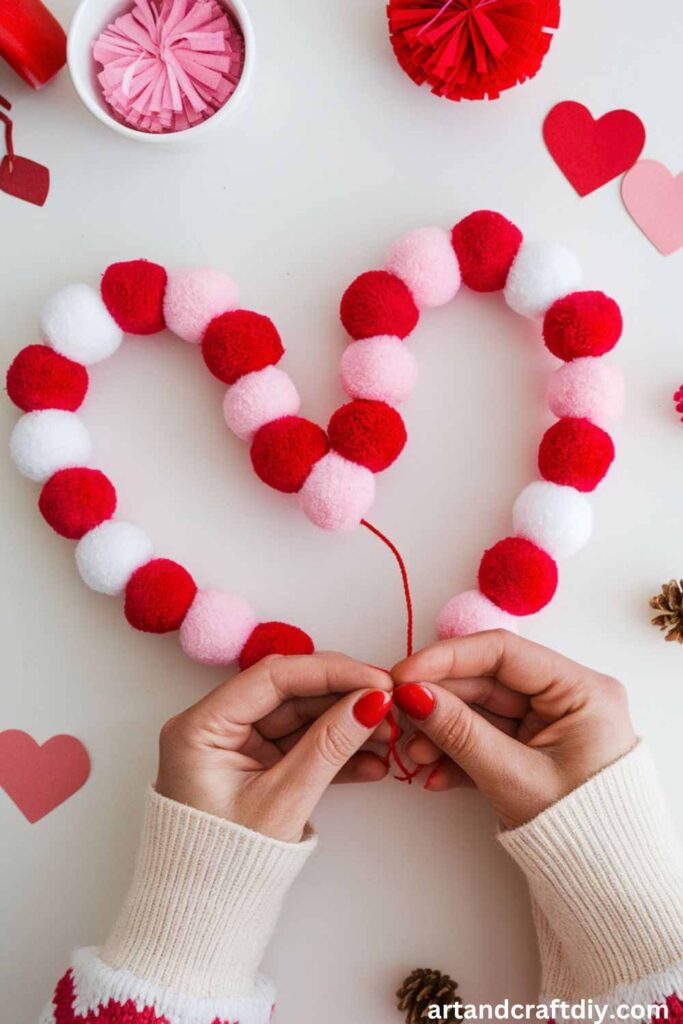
x,y
47,440
108,556
557,519
541,273
77,324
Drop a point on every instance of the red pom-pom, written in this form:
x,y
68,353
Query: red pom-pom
x,y
40,378
678,400
378,302
470,49
274,638
240,342
284,451
485,243
582,324
133,292
575,453
368,432
518,576
158,596
74,501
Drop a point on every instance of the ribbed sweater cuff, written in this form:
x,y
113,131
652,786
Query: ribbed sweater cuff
x,y
205,897
605,868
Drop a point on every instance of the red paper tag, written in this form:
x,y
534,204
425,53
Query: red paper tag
x,y
25,179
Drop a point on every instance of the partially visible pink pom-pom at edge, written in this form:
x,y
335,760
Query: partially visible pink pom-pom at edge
x,y
156,95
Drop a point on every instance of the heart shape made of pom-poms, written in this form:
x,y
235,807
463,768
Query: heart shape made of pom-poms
x,y
332,471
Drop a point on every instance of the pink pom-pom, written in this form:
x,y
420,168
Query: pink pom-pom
x,y
337,493
216,627
380,368
259,398
194,296
425,261
587,388
471,612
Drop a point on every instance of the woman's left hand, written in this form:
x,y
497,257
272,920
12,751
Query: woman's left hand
x,y
263,747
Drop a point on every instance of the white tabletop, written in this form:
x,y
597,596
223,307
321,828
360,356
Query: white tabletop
x,y
335,154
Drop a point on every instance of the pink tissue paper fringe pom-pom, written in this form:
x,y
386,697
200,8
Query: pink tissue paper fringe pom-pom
x,y
169,64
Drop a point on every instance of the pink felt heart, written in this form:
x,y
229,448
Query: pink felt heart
x,y
588,152
39,778
654,198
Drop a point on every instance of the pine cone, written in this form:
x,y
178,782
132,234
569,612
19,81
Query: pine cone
x,y
670,605
422,989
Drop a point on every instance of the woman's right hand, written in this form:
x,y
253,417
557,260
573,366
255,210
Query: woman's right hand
x,y
522,723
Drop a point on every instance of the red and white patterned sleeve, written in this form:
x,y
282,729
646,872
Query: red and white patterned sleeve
x,y
187,945
605,872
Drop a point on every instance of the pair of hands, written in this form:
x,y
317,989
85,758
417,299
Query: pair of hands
x,y
523,724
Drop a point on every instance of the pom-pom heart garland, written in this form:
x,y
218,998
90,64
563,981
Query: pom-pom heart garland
x,y
332,471
471,49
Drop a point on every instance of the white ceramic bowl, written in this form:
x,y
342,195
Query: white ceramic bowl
x,y
91,17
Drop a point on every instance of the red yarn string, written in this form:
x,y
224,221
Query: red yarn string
x,y
393,753
9,128
404,578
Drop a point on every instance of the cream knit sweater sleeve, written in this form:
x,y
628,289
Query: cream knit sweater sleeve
x,y
605,872
186,948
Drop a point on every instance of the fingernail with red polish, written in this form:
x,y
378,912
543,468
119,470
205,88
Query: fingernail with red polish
x,y
434,773
415,699
372,708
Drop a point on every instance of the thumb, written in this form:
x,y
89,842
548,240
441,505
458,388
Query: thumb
x,y
308,769
493,760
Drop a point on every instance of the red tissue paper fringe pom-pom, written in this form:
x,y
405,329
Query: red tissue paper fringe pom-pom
x,y
471,49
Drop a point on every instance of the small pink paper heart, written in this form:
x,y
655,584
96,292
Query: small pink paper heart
x,y
40,778
654,198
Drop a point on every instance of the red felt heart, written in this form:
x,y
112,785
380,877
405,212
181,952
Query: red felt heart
x,y
40,778
25,179
588,152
